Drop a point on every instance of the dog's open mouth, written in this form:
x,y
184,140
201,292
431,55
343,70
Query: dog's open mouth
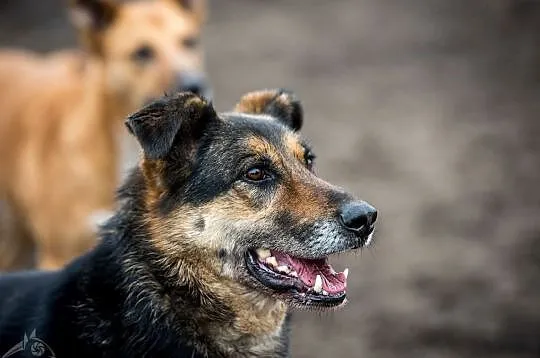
x,y
309,282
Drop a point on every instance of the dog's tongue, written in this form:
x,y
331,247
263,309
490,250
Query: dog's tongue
x,y
307,270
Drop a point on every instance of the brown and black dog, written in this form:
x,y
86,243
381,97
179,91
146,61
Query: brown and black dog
x,y
62,143
222,228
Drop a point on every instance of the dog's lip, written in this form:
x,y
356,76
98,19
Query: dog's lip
x,y
310,299
365,238
315,284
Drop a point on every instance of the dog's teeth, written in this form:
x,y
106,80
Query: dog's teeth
x,y
324,293
293,274
263,253
272,261
318,284
283,268
369,239
346,272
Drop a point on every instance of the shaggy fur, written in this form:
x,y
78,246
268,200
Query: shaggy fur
x,y
172,276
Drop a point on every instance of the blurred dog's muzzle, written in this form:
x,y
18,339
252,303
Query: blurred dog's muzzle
x,y
194,82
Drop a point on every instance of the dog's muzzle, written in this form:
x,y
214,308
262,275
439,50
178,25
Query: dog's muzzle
x,y
194,82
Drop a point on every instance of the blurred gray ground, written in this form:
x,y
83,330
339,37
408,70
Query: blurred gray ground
x,y
427,109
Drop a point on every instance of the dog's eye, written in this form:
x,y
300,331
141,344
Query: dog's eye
x,y
190,42
143,54
257,174
310,159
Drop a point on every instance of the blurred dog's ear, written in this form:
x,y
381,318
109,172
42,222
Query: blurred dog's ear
x,y
179,119
279,103
93,15
91,18
197,7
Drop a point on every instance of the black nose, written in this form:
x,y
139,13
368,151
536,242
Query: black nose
x,y
358,215
193,82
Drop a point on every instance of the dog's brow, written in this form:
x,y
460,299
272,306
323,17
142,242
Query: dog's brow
x,y
261,146
295,146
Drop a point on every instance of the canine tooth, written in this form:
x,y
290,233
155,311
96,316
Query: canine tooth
x,y
346,272
318,284
293,274
283,268
369,239
324,293
272,261
263,253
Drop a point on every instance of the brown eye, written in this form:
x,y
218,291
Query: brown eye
x,y
256,174
190,42
143,54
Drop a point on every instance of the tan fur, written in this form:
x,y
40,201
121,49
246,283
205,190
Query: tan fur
x,y
195,260
262,147
61,118
255,102
295,147
300,195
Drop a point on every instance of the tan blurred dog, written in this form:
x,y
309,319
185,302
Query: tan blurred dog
x,y
61,127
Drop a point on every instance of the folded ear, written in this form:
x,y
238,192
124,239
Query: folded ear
x,y
180,118
279,103
91,18
92,14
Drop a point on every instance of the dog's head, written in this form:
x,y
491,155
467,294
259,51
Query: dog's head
x,y
148,47
233,197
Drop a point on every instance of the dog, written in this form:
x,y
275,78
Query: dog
x,y
61,134
223,228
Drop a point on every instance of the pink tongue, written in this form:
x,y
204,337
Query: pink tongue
x,y
308,270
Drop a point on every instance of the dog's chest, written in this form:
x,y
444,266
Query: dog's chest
x,y
257,348
275,344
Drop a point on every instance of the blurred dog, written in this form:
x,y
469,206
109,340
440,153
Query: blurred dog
x,y
223,227
61,144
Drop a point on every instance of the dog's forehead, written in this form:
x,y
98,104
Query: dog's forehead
x,y
262,132
262,125
154,15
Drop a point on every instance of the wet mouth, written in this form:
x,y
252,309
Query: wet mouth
x,y
307,282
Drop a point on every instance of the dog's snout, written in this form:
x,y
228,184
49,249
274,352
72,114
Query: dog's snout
x,y
192,82
357,215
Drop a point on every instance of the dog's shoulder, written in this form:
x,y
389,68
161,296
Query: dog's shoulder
x,y
21,304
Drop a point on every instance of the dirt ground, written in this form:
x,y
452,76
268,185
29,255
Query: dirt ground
x,y
428,110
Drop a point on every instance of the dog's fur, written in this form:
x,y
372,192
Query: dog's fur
x,y
61,131
169,277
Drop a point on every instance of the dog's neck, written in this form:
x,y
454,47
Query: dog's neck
x,y
105,112
240,321
256,327
224,318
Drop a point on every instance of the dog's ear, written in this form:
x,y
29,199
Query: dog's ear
x,y
91,18
197,7
180,118
92,15
279,103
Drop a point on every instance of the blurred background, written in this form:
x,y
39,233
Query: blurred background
x,y
427,109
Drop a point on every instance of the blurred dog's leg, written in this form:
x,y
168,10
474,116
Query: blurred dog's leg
x,y
16,245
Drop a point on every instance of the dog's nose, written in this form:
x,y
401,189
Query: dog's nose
x,y
193,82
357,215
